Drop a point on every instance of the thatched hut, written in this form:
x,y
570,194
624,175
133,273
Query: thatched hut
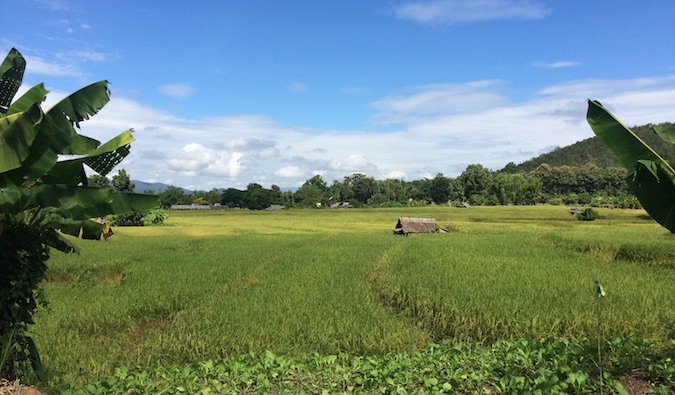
x,y
415,225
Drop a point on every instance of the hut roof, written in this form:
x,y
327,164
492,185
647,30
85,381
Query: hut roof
x,y
407,225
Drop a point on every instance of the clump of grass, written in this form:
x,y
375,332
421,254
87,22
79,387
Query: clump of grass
x,y
650,254
113,270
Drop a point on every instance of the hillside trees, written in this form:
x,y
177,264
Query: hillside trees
x,y
477,185
40,195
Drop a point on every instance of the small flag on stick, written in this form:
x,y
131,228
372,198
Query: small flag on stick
x,y
599,291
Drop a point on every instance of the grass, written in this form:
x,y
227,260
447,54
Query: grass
x,y
219,285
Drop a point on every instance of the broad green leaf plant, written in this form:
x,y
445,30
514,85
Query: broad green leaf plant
x,y
44,190
650,177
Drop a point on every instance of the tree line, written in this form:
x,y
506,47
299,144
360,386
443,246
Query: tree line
x,y
476,185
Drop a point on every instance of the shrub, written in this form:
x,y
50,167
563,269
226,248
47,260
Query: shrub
x,y
585,198
588,215
131,219
572,199
555,201
154,217
476,200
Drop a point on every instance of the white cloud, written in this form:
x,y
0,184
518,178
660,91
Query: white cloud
x,y
176,90
434,133
37,65
290,172
90,55
353,164
195,159
297,87
396,175
437,12
439,99
556,65
55,5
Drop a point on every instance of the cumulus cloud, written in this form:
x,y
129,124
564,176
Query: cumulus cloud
x,y
396,175
436,12
195,159
290,172
430,131
176,90
354,164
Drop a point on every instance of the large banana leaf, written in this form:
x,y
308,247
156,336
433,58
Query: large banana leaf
x,y
30,142
651,178
11,75
102,160
17,134
655,190
667,133
34,147
71,202
67,114
36,94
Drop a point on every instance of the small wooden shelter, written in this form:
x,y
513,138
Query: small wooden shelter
x,y
407,225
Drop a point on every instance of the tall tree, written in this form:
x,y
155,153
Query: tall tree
x,y
361,186
173,195
122,182
98,181
440,189
477,180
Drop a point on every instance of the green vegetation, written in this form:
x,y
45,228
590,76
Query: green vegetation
x,y
306,300
543,366
41,195
588,215
651,177
477,185
592,151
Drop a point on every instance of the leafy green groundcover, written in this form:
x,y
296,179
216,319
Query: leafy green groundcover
x,y
523,367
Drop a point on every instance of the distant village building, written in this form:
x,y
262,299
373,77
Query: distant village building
x,y
415,225
189,207
275,207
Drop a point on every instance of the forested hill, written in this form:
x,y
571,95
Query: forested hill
x,y
593,151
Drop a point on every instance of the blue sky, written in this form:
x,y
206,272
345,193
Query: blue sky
x,y
224,93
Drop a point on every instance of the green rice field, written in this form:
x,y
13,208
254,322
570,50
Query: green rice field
x,y
209,286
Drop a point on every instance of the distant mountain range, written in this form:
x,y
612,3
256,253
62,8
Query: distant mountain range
x,y
592,151
589,151
154,187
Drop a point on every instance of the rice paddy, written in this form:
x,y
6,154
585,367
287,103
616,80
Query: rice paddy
x,y
298,283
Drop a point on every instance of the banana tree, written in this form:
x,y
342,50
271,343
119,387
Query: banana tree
x,y
44,193
650,177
